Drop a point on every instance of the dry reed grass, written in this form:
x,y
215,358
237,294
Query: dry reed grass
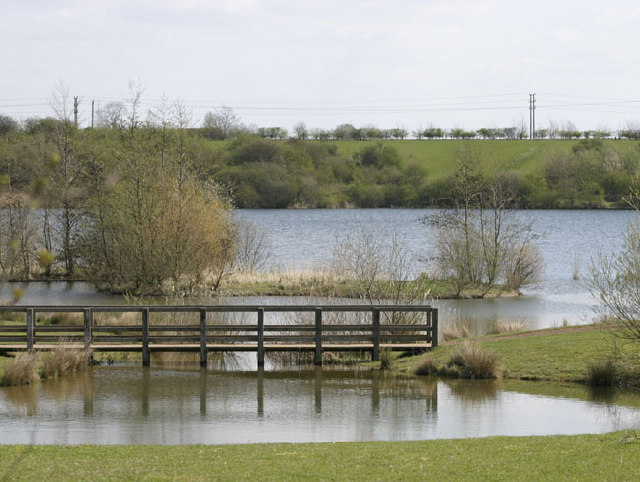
x,y
471,361
456,332
502,326
426,365
22,369
63,359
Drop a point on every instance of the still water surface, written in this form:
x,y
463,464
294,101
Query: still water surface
x,y
134,405
303,239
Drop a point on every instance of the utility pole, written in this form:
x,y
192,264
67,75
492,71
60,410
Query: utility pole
x,y
75,110
93,102
532,116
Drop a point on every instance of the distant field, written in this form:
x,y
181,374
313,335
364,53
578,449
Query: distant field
x,y
439,156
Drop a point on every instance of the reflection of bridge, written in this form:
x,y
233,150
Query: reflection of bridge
x,y
204,329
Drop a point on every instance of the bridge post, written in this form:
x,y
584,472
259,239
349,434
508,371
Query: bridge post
x,y
30,328
146,354
375,328
260,354
203,337
88,322
318,352
434,327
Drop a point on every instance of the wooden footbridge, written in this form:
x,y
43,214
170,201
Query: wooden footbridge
x,y
218,328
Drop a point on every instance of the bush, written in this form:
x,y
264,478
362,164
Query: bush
x,y
471,361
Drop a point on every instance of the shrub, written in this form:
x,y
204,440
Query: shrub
x,y
22,369
471,361
602,373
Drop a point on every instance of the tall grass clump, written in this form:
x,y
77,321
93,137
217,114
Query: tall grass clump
x,y
471,361
22,369
502,326
386,360
64,359
426,365
602,373
456,332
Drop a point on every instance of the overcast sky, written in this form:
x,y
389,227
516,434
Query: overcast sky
x,y
447,63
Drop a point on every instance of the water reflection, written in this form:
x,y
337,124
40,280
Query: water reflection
x,y
131,404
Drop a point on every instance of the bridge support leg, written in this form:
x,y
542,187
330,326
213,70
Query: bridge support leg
x,y
260,354
203,337
375,351
30,328
146,353
434,328
318,353
88,324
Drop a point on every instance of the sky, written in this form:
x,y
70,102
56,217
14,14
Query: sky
x,y
406,63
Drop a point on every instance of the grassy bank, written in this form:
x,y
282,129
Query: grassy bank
x,y
327,284
583,457
556,354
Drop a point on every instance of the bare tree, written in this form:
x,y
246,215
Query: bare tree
x,y
222,118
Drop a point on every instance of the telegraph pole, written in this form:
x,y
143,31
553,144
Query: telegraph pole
x,y
75,110
532,116
93,102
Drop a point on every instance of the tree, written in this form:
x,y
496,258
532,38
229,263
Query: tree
x,y
65,191
381,269
615,282
111,115
480,243
301,131
158,227
7,124
222,119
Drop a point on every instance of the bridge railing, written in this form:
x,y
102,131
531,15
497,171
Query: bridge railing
x,y
213,328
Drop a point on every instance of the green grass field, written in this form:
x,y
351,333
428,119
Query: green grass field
x,y
584,457
552,355
439,156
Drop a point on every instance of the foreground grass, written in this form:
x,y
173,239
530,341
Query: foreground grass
x,y
553,355
583,457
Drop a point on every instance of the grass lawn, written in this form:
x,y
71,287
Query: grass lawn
x,y
583,457
560,354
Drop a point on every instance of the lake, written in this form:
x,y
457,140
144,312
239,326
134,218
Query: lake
x,y
168,404
305,239
186,405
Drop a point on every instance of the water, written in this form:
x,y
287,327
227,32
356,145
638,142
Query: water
x,y
304,239
134,405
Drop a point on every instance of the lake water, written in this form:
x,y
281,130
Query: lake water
x,y
179,405
305,239
135,405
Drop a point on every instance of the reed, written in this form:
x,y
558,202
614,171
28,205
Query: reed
x,y
426,365
456,332
22,369
470,360
63,359
502,326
